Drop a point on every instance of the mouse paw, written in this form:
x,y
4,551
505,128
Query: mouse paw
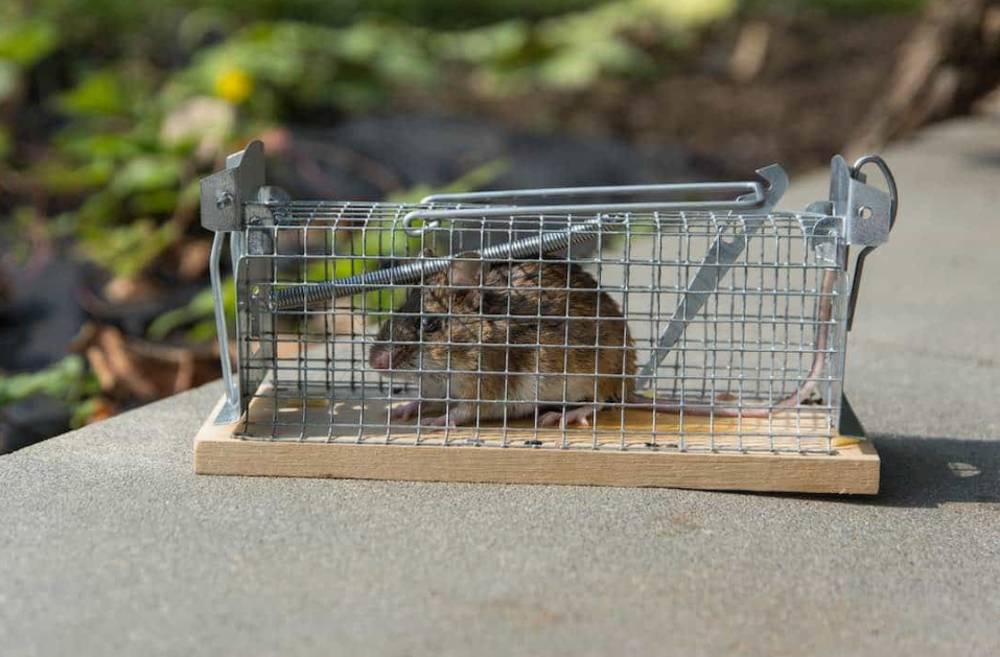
x,y
405,411
440,421
578,417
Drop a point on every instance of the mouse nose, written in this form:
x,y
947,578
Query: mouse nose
x,y
381,359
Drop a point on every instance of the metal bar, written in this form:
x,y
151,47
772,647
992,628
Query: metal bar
x,y
752,187
753,195
230,411
714,266
433,217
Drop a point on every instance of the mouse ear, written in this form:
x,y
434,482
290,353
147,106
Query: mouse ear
x,y
467,272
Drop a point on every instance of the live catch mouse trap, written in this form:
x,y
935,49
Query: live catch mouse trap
x,y
685,335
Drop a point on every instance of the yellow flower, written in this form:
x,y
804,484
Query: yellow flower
x,y
234,85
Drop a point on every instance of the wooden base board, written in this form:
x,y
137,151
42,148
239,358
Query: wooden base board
x,y
852,469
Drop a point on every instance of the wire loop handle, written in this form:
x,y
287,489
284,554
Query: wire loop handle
x,y
890,181
752,194
859,266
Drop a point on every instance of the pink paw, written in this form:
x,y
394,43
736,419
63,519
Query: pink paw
x,y
440,421
579,417
405,411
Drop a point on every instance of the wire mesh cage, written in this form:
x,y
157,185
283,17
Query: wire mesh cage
x,y
657,317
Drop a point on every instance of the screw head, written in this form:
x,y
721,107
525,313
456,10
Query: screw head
x,y
223,200
865,212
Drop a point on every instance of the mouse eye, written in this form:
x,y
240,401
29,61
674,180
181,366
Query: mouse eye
x,y
430,324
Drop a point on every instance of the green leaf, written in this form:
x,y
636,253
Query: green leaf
x,y
26,42
157,201
383,238
98,94
147,173
475,179
128,249
100,209
84,144
61,177
318,271
66,379
191,193
200,310
378,302
9,75
83,412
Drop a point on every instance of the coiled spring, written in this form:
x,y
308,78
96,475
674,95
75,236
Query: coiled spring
x,y
305,295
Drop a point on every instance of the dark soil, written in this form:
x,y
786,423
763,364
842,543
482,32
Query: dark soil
x,y
817,84
367,158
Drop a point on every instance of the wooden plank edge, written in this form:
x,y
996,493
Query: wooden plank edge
x,y
854,469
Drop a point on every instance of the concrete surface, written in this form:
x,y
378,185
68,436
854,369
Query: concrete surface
x,y
110,545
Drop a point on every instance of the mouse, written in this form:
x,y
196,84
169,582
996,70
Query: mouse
x,y
471,334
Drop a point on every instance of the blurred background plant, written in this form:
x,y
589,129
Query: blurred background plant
x,y
111,110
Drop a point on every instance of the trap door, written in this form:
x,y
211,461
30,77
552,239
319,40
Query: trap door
x,y
733,318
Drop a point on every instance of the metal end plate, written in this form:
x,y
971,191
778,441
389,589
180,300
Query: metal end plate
x,y
223,193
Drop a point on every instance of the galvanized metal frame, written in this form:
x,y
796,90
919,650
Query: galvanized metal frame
x,y
856,213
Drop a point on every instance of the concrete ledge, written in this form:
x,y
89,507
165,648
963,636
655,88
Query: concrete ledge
x,y
110,543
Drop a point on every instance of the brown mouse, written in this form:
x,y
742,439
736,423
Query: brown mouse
x,y
471,335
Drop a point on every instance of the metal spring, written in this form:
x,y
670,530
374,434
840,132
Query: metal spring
x,y
301,296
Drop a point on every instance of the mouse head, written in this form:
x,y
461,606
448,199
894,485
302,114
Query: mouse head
x,y
435,322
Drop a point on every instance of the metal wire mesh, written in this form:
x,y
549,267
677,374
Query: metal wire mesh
x,y
564,348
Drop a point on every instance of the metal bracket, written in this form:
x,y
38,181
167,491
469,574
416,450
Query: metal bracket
x,y
850,424
223,193
869,213
824,235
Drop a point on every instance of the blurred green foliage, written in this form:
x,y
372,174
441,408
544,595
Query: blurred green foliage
x,y
472,180
197,313
110,110
66,380
839,6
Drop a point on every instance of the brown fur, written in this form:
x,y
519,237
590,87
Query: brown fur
x,y
483,308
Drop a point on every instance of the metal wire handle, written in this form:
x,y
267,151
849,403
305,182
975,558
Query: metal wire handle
x,y
301,296
753,194
230,410
605,190
859,265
